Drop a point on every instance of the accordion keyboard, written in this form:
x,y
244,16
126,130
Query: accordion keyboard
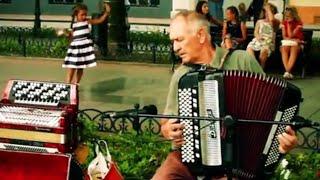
x,y
39,93
201,137
26,148
191,148
30,116
272,143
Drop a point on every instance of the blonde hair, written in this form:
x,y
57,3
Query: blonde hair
x,y
195,20
294,12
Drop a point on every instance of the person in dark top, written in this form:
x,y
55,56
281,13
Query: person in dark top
x,y
243,15
234,32
203,8
255,9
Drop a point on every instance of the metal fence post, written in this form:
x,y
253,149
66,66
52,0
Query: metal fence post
x,y
153,49
37,21
136,120
22,41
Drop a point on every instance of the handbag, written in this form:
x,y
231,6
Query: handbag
x,y
102,166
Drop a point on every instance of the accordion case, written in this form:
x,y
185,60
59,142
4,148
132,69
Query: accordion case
x,y
246,150
15,165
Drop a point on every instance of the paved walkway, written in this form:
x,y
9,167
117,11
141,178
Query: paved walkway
x,y
117,86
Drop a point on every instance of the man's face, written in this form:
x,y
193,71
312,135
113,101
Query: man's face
x,y
186,44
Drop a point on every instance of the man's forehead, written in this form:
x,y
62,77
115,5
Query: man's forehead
x,y
178,26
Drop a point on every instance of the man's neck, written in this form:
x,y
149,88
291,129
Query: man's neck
x,y
207,55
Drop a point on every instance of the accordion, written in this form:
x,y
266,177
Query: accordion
x,y
39,116
253,150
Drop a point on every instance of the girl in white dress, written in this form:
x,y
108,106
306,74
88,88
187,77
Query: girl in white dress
x,y
264,34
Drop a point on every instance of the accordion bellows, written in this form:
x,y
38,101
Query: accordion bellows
x,y
243,95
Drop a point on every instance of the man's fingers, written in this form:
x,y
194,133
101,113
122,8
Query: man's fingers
x,y
283,151
176,126
178,142
290,131
287,142
284,144
173,120
175,134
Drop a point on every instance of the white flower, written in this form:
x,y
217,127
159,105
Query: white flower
x,y
286,175
60,32
284,163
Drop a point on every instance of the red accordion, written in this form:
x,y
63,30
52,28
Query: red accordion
x,y
39,116
243,95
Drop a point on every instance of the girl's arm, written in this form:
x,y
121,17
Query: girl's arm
x,y
101,18
224,30
243,32
256,30
216,21
274,22
284,32
289,30
297,30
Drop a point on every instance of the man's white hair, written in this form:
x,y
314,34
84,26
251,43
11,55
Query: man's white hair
x,y
194,20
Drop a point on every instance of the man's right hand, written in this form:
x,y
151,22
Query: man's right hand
x,y
172,130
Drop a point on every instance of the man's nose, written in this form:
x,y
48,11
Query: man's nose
x,y
176,47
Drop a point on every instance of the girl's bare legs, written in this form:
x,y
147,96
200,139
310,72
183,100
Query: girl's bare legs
x,y
70,74
78,76
263,57
285,50
294,52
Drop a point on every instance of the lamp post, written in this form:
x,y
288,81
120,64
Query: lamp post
x,y
118,28
37,21
284,8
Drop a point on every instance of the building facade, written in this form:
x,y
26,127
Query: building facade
x,y
156,12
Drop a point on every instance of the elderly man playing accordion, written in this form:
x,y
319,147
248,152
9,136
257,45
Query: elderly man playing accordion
x,y
191,39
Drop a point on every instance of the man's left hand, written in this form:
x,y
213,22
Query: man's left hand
x,y
288,140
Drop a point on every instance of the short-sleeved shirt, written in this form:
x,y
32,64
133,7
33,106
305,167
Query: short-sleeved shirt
x,y
294,24
238,60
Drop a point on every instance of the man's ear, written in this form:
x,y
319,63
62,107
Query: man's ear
x,y
201,35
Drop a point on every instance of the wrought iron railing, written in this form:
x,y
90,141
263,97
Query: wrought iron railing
x,y
309,138
148,47
124,124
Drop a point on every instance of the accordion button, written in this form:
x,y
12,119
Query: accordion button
x,y
197,142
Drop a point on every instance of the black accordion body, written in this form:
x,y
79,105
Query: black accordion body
x,y
253,150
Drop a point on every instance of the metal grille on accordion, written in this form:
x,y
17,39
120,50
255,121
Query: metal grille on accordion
x,y
38,116
243,95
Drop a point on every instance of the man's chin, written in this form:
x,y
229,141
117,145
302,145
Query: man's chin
x,y
185,60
